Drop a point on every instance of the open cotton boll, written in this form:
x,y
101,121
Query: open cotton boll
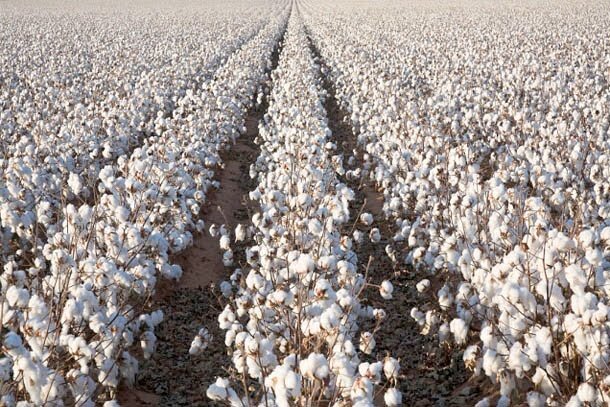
x,y
17,297
563,243
240,233
391,367
386,289
535,399
213,230
75,183
459,329
217,391
392,397
225,242
423,285
366,218
303,264
200,342
367,343
315,366
375,235
586,393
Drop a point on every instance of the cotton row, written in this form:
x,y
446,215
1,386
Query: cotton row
x,y
293,319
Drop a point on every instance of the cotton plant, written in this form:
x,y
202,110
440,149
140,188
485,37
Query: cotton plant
x,y
292,319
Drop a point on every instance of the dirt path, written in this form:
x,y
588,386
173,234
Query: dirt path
x,y
431,376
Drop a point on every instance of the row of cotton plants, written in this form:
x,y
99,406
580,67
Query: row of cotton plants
x,y
487,130
293,315
74,308
95,107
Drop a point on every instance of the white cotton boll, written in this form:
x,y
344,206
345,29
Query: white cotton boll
x,y
112,403
366,218
563,243
586,392
218,391
576,278
12,341
418,316
367,343
227,258
586,238
391,368
315,366
518,359
200,343
423,285
459,329
535,399
375,235
362,392
225,242
392,397
240,233
75,183
470,357
358,236
594,256
386,289
304,264
213,230
17,297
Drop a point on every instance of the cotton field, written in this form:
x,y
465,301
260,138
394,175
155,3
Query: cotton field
x,y
304,203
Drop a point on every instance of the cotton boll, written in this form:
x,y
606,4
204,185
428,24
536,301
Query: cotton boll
x,y
225,243
586,238
75,183
535,399
459,329
375,235
17,297
386,289
367,343
304,264
366,218
227,258
218,391
200,343
240,233
563,243
586,393
315,366
392,397
391,368
423,285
